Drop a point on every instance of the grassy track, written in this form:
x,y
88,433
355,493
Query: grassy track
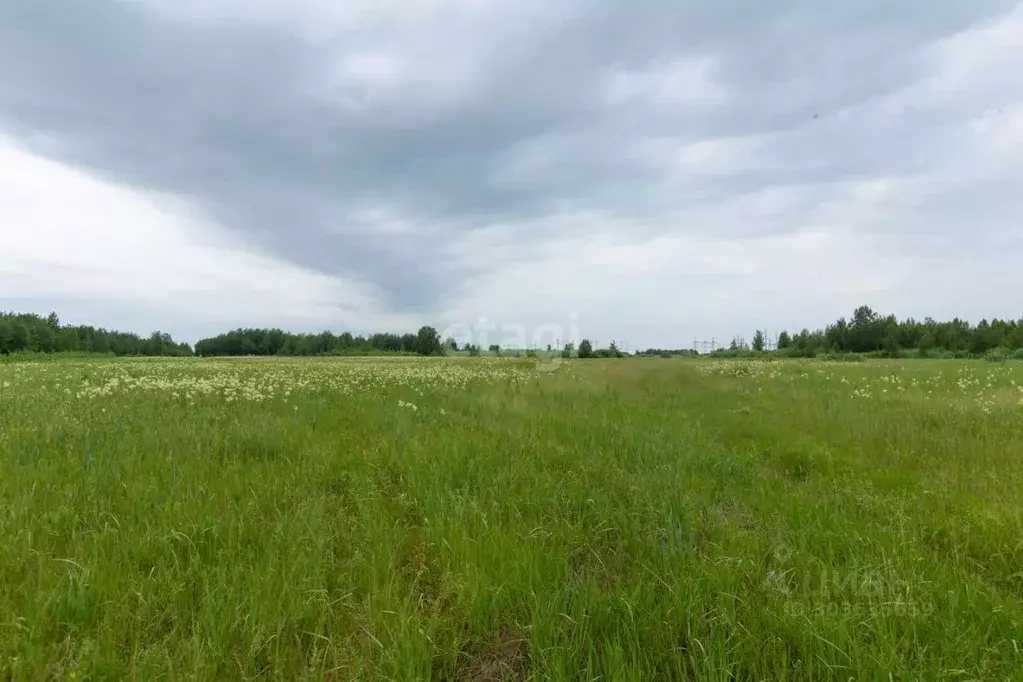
x,y
477,519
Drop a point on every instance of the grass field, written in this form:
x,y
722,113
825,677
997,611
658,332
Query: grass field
x,y
479,519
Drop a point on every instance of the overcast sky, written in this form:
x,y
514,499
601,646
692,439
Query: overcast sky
x,y
650,171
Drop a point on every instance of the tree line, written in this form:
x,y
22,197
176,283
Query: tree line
x,y
870,332
277,342
30,333
667,352
866,332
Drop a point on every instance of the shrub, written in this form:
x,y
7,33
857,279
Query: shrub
x,y
1017,354
666,356
530,353
997,355
832,356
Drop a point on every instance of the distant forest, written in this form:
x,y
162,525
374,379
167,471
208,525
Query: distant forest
x,y
28,333
869,332
277,342
866,332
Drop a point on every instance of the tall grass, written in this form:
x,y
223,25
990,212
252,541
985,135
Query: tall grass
x,y
477,519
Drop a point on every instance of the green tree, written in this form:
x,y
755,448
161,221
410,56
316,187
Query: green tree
x,y
45,340
21,339
428,341
100,343
866,332
758,341
784,341
985,337
926,343
6,336
890,345
1015,339
585,349
249,346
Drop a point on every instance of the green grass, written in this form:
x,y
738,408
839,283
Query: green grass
x,y
631,519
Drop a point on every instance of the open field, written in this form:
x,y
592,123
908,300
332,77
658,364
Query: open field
x,y
479,519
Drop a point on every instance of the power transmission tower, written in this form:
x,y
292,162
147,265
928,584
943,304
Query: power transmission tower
x,y
702,346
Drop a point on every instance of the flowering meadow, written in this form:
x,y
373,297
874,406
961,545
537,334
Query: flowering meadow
x,y
487,519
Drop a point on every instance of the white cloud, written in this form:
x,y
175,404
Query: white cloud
x,y
983,57
68,236
683,81
1001,129
717,156
678,285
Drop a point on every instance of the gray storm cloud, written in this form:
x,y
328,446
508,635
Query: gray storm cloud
x,y
374,148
